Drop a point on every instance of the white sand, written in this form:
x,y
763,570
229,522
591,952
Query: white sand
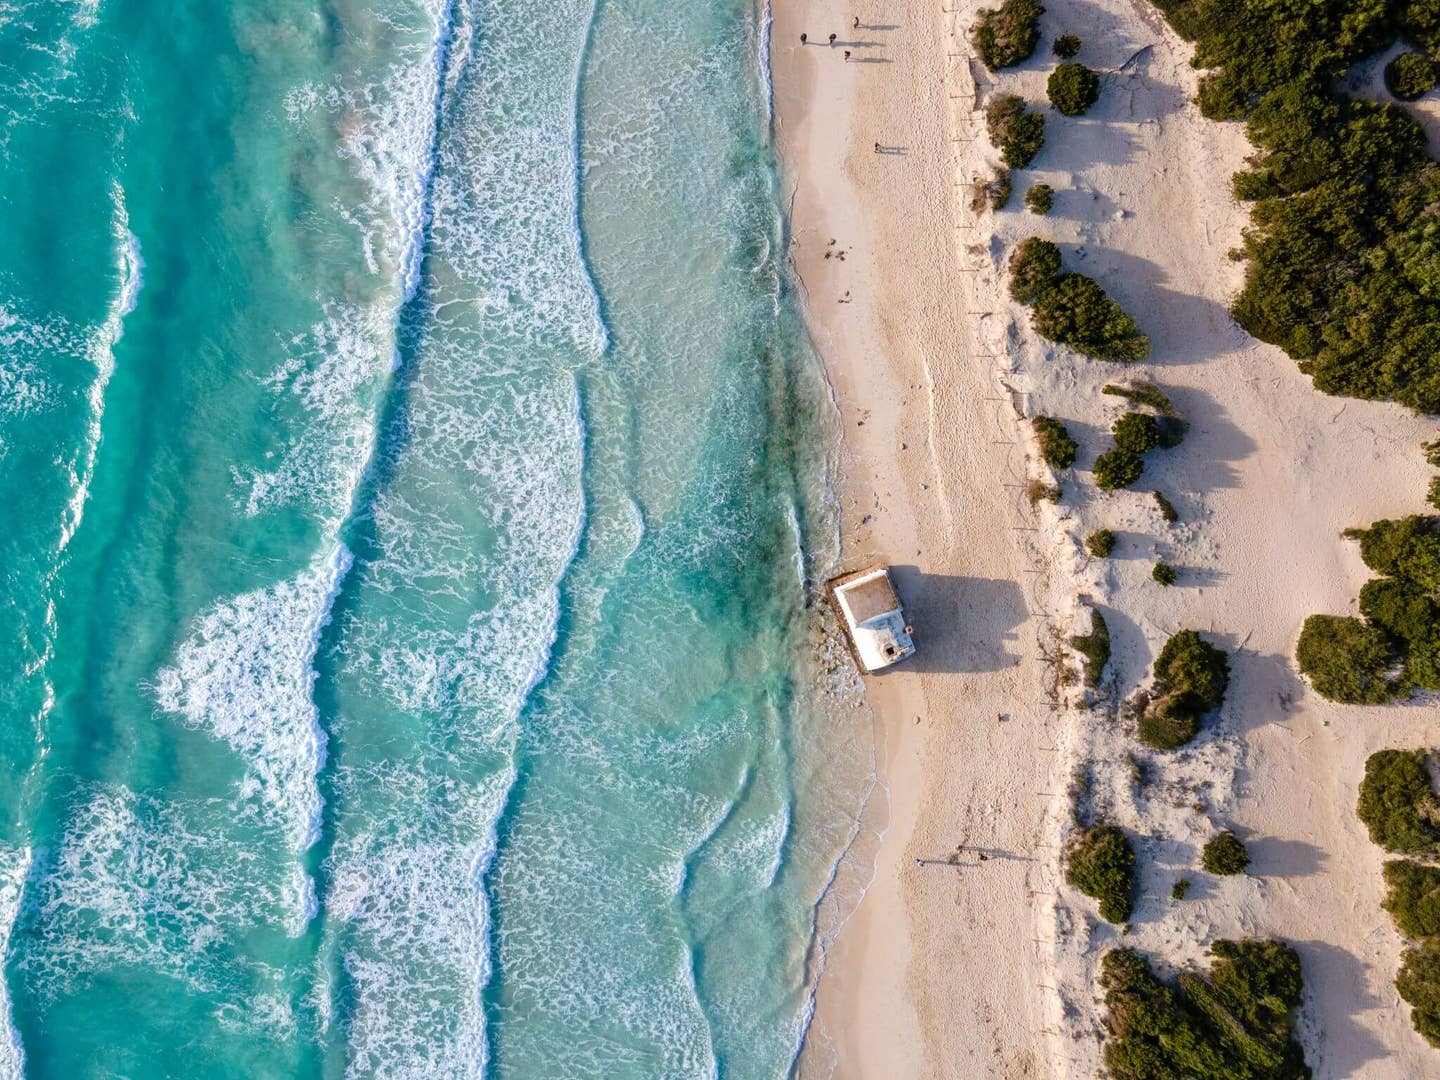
x,y
987,969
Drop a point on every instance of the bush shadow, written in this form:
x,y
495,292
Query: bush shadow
x,y
1272,856
962,624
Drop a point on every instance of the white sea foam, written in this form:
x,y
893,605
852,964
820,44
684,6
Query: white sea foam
x,y
246,673
14,868
137,881
102,355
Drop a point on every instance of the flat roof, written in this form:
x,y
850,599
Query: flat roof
x,y
869,596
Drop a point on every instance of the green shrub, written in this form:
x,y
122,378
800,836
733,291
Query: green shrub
x,y
1346,660
1076,311
1094,648
997,191
1432,495
1007,35
1100,543
1431,451
1136,432
1164,573
1118,468
1400,608
1033,269
1101,864
1073,88
1167,509
1406,548
1419,984
1225,854
1040,198
1413,897
1066,46
1017,134
1141,393
1237,1024
1038,491
1191,676
1057,448
1397,804
1180,889
1410,75
1071,308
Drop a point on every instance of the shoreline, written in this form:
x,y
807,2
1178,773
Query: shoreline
x,y
990,971
896,996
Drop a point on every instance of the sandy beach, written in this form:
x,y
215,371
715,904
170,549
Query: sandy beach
x,y
986,967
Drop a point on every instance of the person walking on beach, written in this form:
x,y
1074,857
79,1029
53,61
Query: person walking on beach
x,y
802,38
847,55
856,26
832,39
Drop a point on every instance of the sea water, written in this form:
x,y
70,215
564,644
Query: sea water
x,y
414,479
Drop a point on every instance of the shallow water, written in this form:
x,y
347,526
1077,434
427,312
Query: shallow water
x,y
417,483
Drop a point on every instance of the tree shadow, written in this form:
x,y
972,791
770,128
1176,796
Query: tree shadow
x,y
962,624
1263,688
1205,461
1346,1048
1272,856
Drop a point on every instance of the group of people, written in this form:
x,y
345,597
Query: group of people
x,y
805,38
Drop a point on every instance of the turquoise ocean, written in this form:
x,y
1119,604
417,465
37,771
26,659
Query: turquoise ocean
x,y
414,479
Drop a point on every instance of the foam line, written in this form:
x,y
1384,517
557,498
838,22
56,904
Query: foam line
x,y
14,869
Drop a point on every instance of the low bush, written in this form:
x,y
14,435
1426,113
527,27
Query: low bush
x,y
1038,491
1094,648
1076,311
1136,432
1419,984
1072,309
1431,451
1224,854
1346,660
1066,46
1017,134
1432,496
1057,448
1033,269
1142,393
1410,75
1191,677
1164,573
1180,889
1118,468
997,191
1040,198
1397,804
1100,543
1073,88
1413,897
1007,35
1101,864
1167,509
1236,1024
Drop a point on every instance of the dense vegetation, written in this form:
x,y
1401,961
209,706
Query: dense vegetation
x,y
1410,75
1191,677
1101,863
1142,393
1066,46
1163,573
1413,897
1017,134
1343,256
1136,432
1397,803
1224,854
1399,807
1236,1024
1057,448
1419,984
1073,88
1394,647
1100,543
1094,648
1071,308
1007,35
1040,198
